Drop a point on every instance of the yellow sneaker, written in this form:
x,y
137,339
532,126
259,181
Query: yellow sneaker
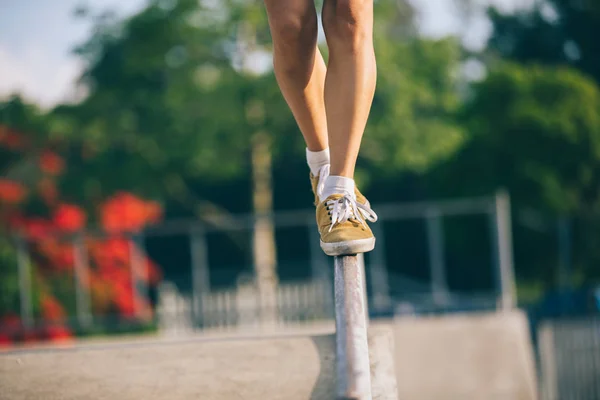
x,y
318,182
342,225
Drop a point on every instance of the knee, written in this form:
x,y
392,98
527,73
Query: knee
x,y
294,32
348,22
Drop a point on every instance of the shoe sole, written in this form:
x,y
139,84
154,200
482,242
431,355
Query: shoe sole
x,y
348,247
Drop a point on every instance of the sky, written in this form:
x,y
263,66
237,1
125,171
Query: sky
x,y
37,38
36,42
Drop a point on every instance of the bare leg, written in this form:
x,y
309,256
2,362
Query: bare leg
x,y
351,78
299,66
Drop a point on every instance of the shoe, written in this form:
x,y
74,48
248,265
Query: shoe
x,y
318,183
342,225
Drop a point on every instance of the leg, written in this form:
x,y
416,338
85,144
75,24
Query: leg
x,y
299,66
349,90
351,77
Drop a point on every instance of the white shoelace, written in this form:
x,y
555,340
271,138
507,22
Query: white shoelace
x,y
349,208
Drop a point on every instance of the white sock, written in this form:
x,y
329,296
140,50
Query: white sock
x,y
317,159
338,185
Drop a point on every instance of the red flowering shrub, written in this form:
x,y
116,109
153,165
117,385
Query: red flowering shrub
x,y
51,163
110,252
50,243
9,139
59,256
52,311
68,218
126,213
35,228
47,191
10,324
5,341
56,333
11,192
101,291
30,336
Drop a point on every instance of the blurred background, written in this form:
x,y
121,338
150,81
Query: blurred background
x,y
152,178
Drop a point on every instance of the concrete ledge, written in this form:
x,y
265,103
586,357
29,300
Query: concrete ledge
x,y
464,357
286,368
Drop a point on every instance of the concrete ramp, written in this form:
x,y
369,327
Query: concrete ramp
x,y
465,357
275,368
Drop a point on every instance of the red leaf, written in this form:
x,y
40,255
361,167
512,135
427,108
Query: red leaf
x,y
5,341
37,228
154,273
10,139
125,212
48,191
69,218
52,310
110,253
58,333
11,192
30,336
124,299
60,255
10,324
51,163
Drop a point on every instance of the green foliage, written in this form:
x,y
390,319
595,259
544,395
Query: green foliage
x,y
24,117
169,99
412,125
536,131
9,284
556,32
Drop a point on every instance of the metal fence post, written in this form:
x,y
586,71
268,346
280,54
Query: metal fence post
x,y
503,233
318,259
200,272
435,241
320,267
547,362
138,268
379,273
564,237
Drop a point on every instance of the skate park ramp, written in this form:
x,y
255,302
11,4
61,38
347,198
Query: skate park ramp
x,y
268,368
465,357
461,357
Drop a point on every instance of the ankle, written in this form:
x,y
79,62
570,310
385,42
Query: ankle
x,y
317,159
344,168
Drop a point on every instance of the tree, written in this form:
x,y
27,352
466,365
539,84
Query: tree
x,y
412,125
536,131
541,132
554,32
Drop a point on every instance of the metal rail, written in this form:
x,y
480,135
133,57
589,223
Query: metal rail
x,y
352,348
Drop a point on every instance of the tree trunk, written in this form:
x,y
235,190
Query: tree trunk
x,y
263,244
265,264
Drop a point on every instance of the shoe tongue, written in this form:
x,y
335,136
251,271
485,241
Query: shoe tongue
x,y
341,195
334,197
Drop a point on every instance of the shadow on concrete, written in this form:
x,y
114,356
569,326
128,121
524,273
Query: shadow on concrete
x,y
325,385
